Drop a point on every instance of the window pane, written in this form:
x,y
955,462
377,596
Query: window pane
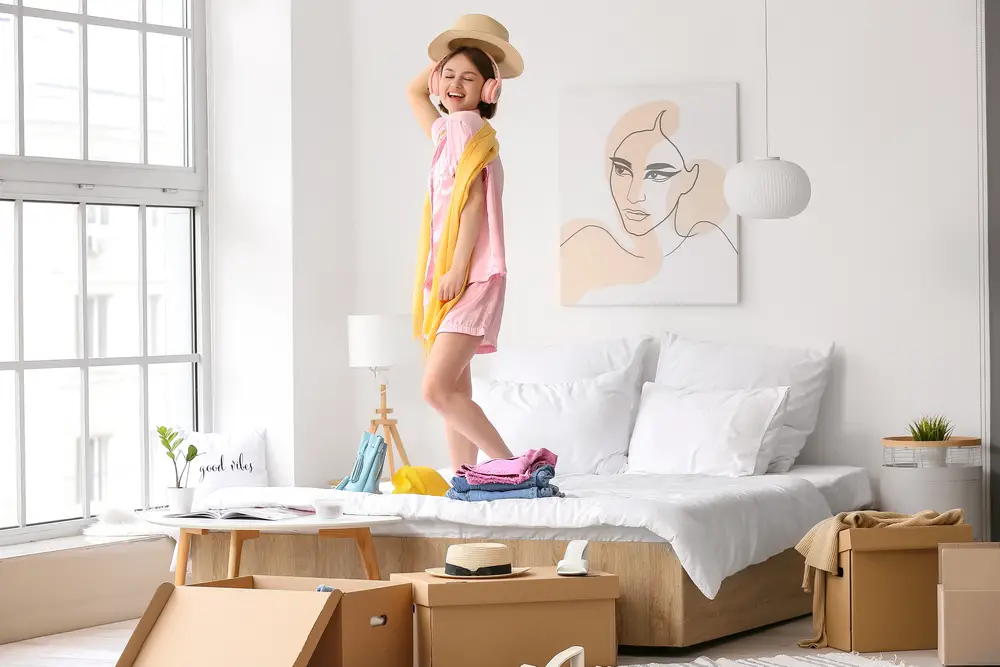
x,y
126,10
8,84
56,5
171,404
51,280
113,94
51,88
166,110
52,444
166,12
169,280
115,438
8,452
113,281
8,277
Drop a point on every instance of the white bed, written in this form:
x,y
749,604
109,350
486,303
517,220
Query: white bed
x,y
716,526
845,488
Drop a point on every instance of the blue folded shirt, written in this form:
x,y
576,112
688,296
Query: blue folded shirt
x,y
475,495
539,479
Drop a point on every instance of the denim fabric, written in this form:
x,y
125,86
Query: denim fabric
x,y
481,496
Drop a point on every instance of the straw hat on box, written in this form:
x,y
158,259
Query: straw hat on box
x,y
477,561
483,32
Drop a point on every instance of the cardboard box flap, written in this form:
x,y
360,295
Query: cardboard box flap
x,y
901,539
222,626
972,566
537,585
281,583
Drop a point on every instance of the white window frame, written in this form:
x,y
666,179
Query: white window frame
x,y
88,182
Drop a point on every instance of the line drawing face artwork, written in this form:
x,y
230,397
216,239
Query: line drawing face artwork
x,y
641,193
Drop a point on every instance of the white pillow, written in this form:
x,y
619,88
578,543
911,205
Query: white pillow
x,y
226,460
571,361
585,423
697,365
681,432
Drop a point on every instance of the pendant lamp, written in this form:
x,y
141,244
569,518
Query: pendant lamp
x,y
768,187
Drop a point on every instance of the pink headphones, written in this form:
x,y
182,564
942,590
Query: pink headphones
x,y
491,87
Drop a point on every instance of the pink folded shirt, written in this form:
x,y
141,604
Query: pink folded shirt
x,y
508,471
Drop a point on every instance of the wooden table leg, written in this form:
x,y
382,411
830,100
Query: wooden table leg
x,y
236,540
366,547
183,549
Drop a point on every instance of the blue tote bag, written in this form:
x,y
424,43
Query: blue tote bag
x,y
367,467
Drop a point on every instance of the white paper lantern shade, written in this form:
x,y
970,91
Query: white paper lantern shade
x,y
767,188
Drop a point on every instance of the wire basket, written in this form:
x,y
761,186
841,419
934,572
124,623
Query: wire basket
x,y
956,452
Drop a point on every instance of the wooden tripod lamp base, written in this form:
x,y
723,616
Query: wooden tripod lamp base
x,y
389,433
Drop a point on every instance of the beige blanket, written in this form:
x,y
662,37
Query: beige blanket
x,y
819,546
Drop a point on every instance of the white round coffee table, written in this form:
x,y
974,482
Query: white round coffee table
x,y
353,527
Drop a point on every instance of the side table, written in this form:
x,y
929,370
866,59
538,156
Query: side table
x,y
357,528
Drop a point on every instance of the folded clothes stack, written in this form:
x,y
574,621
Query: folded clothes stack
x,y
526,476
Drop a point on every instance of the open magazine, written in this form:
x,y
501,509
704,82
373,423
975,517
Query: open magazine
x,y
247,513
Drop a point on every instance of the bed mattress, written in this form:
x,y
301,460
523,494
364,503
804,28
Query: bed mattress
x,y
716,526
844,488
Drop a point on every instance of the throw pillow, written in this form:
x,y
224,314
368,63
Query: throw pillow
x,y
586,423
226,460
683,432
698,365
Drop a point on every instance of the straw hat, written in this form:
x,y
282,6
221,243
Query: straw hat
x,y
483,32
477,561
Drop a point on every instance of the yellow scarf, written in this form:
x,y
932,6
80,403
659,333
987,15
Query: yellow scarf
x,y
478,153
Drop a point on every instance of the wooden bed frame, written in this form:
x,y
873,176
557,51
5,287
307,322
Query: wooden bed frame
x,y
659,605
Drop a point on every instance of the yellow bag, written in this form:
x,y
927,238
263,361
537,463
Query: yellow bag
x,y
420,481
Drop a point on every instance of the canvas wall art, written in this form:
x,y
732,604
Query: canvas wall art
x,y
642,213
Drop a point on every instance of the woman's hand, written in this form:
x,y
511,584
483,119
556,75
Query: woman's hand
x,y
451,284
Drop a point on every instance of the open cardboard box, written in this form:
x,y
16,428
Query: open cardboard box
x,y
969,603
519,620
277,622
884,596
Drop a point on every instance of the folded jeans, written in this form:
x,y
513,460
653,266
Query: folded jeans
x,y
523,494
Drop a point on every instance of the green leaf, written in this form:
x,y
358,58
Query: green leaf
x,y
171,455
192,452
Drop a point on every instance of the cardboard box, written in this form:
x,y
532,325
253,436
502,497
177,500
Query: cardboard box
x,y
275,621
969,604
515,621
884,597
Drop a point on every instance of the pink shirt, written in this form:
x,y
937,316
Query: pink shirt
x,y
450,135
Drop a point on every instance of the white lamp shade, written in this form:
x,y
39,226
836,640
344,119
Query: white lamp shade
x,y
378,341
767,188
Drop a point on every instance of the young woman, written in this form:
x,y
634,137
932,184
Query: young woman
x,y
461,272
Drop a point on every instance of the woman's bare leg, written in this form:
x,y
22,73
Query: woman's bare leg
x,y
449,358
463,451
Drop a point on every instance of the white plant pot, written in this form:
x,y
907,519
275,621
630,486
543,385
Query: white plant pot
x,y
180,500
934,457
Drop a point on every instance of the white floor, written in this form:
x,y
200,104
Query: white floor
x,y
100,647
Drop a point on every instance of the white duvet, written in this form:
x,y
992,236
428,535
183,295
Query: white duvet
x,y
716,526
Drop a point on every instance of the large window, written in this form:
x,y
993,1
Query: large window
x,y
101,217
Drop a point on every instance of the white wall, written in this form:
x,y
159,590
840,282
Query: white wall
x,y
282,253
250,209
877,101
323,262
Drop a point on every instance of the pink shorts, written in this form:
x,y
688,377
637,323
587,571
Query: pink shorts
x,y
478,313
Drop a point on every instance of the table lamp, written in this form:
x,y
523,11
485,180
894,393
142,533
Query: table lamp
x,y
379,342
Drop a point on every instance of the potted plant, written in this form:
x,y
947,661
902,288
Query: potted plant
x,y
179,497
931,436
